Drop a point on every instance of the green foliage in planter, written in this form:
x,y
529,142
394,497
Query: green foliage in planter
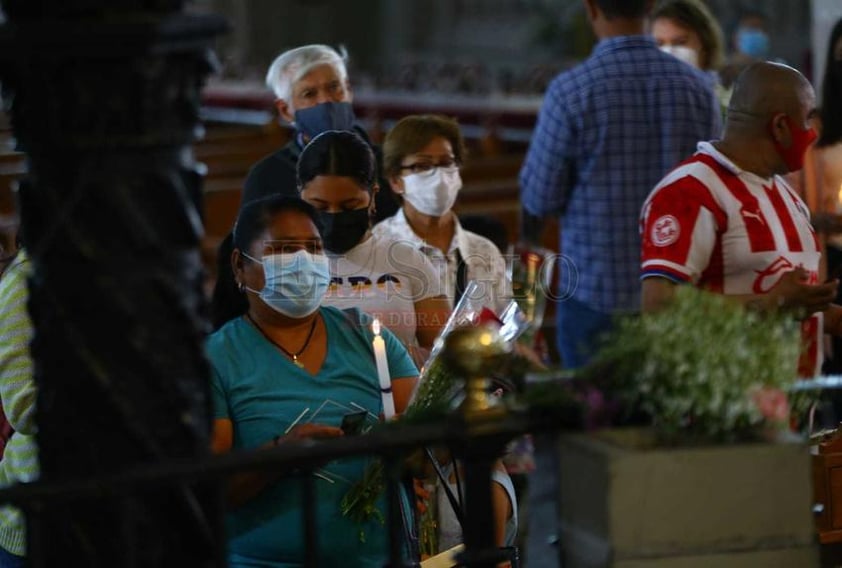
x,y
693,366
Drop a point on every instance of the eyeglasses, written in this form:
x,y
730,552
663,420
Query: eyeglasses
x,y
428,168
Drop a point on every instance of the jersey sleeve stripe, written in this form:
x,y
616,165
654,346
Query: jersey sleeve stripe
x,y
667,269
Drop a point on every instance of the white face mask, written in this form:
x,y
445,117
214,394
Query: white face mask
x,y
433,193
682,52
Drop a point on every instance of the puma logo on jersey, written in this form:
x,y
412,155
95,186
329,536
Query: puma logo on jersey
x,y
752,215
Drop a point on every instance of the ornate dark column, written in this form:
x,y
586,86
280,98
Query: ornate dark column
x,y
104,99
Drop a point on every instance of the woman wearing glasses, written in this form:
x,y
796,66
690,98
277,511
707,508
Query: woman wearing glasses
x,y
422,155
421,160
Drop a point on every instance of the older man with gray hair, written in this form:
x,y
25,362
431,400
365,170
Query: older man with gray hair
x,y
313,94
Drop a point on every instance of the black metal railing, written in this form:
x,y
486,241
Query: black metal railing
x,y
476,444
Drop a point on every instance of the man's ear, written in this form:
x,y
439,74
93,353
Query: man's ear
x,y
779,126
285,110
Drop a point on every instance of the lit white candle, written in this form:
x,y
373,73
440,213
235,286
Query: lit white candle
x,y
383,371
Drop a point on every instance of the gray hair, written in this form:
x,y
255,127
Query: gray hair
x,y
293,64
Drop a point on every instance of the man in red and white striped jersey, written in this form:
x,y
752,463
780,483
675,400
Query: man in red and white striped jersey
x,y
725,221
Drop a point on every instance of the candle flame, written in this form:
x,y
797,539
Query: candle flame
x,y
375,326
839,195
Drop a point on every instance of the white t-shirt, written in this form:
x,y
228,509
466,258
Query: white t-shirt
x,y
483,261
383,279
450,531
730,231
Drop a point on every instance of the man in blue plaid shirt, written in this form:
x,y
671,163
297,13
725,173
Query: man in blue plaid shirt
x,y
608,131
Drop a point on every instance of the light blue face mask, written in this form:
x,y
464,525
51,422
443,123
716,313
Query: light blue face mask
x,y
753,42
295,283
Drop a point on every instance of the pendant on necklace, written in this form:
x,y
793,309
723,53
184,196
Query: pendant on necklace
x,y
298,363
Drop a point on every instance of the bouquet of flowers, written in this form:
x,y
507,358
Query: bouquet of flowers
x,y
435,394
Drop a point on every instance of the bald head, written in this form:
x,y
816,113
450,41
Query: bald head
x,y
768,129
765,89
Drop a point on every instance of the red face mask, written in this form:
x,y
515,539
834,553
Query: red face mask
x,y
801,140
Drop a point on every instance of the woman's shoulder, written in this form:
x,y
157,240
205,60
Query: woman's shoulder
x,y
350,323
392,239
343,315
479,245
345,318
229,333
397,253
387,227
13,277
394,248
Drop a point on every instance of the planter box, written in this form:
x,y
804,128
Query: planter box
x,y
626,504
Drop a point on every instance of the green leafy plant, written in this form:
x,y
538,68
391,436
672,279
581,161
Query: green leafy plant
x,y
431,401
698,367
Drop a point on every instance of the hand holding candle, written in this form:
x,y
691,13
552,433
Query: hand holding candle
x,y
383,371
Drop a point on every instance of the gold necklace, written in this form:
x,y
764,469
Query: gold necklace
x,y
291,355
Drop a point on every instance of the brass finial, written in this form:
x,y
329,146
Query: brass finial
x,y
473,353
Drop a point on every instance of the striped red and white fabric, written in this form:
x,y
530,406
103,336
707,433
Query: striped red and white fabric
x,y
729,231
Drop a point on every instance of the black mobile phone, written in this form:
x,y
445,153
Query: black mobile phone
x,y
352,422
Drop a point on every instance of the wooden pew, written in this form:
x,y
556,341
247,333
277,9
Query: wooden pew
x,y
827,488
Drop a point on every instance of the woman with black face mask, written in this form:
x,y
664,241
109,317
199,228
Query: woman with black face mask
x,y
821,179
386,279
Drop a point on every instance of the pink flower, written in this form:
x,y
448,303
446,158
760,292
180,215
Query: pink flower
x,y
772,404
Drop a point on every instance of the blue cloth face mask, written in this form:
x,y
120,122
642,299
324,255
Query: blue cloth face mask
x,y
314,120
296,282
753,42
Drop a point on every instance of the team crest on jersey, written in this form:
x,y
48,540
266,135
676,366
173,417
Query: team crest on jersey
x,y
665,231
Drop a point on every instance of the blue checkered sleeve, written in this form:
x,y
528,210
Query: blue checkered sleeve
x,y
545,178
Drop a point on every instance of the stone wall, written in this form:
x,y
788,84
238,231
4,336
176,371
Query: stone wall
x,y
511,40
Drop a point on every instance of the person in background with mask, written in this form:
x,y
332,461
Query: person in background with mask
x,y
688,30
422,155
421,158
751,39
274,381
313,94
386,279
726,222
820,182
750,44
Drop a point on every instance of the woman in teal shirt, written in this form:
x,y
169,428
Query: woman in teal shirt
x,y
286,369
